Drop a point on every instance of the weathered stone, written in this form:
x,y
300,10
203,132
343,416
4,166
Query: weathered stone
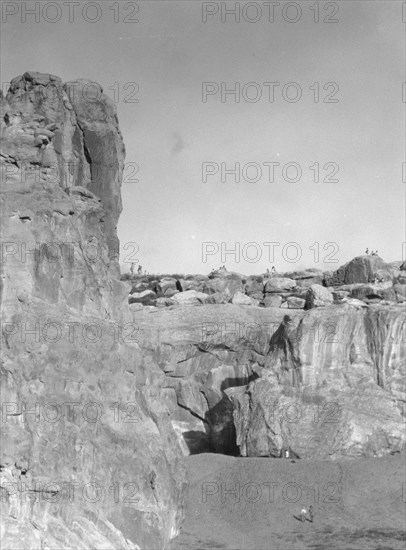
x,y
223,287
254,287
243,300
279,284
318,296
374,292
165,302
354,302
324,378
307,277
295,302
339,295
272,300
190,284
321,356
190,298
146,297
400,291
362,269
62,158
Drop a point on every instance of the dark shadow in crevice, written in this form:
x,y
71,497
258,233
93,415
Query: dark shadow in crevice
x,y
220,434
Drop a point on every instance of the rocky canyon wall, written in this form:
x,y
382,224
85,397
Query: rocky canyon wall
x,y
89,458
106,384
327,382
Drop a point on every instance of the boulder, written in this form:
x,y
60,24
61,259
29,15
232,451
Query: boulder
x,y
294,302
354,302
168,286
223,287
279,284
222,273
135,306
374,292
306,277
318,296
165,302
362,269
272,300
139,287
241,299
339,295
146,297
400,292
190,284
190,298
298,292
254,287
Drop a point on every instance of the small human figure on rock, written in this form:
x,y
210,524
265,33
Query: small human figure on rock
x,y
303,514
367,251
132,267
139,270
311,514
273,269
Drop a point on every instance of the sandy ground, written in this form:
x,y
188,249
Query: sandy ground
x,y
251,504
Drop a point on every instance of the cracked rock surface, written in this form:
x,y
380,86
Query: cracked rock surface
x,y
89,458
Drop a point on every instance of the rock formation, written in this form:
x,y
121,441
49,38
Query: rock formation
x,y
239,368
327,382
335,392
88,458
106,384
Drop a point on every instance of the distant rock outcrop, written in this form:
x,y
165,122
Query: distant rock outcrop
x,y
362,269
317,296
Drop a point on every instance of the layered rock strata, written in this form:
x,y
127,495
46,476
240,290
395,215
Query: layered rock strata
x,y
89,458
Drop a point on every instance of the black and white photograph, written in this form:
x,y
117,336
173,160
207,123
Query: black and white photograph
x,y
203,275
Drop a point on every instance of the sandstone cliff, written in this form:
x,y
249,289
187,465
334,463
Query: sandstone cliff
x,y
105,385
250,381
96,463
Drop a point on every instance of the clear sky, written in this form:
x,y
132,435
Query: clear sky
x,y
356,123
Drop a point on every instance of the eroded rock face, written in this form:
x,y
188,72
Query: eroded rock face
x,y
203,351
255,380
318,296
331,393
307,277
100,425
221,286
362,269
279,284
190,297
